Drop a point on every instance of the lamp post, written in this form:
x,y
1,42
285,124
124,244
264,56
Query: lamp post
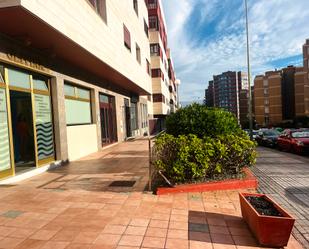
x,y
249,73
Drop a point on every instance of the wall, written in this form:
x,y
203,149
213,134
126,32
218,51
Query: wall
x,y
300,93
81,141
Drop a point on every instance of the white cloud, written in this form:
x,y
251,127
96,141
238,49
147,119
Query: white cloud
x,y
278,28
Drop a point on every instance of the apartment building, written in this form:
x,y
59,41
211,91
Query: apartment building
x,y
229,91
159,64
282,95
279,96
173,84
306,69
74,77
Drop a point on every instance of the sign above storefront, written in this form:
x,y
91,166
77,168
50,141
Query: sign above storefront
x,y
27,63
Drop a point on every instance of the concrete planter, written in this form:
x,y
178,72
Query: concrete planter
x,y
270,231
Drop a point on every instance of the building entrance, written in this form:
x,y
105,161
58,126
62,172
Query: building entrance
x,y
108,119
26,127
22,127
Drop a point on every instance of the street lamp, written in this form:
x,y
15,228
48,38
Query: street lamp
x,y
249,73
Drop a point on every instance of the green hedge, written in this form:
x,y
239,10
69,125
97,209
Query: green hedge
x,y
202,121
188,158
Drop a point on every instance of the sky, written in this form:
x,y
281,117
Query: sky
x,y
207,37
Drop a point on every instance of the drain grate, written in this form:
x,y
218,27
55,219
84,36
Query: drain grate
x,y
122,184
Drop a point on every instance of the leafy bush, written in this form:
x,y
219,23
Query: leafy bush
x,y
188,158
202,121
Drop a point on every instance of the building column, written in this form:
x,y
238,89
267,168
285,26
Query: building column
x,y
96,117
60,127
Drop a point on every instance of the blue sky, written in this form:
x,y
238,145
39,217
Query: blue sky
x,y
207,37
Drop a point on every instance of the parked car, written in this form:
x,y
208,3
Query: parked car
x,y
254,133
294,141
267,137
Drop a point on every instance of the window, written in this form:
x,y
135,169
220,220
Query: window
x,y
153,22
135,6
133,116
100,7
152,4
265,83
39,83
158,97
19,79
127,37
146,28
155,49
138,54
144,115
156,73
265,91
1,74
77,105
148,69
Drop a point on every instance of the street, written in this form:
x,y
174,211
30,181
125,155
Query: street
x,y
285,178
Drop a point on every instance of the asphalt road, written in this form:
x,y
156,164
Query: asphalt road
x,y
285,178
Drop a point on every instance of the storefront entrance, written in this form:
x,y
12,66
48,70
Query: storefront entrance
x,y
108,119
22,127
26,130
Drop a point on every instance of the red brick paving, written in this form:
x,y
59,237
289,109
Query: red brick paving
x,y
77,216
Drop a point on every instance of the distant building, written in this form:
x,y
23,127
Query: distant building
x,y
282,95
229,91
306,69
165,99
209,94
243,107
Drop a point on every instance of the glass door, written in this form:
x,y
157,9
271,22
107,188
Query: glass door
x,y
108,119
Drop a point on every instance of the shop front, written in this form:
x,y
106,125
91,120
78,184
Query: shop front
x,y
26,124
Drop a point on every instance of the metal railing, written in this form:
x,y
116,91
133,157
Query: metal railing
x,y
150,147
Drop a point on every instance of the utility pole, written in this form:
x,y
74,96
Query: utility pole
x,y
249,73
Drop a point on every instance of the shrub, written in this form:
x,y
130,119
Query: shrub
x,y
188,158
202,121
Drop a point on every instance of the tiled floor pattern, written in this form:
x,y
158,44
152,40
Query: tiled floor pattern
x,y
70,215
285,177
82,219
96,172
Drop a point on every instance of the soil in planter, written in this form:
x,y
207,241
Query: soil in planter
x,y
263,206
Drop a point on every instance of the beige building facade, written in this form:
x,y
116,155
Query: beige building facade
x,y
74,78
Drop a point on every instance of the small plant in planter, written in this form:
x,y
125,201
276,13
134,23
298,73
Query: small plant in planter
x,y
270,224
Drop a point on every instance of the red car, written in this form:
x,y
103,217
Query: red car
x,y
294,140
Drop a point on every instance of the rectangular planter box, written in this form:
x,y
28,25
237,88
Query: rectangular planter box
x,y
270,231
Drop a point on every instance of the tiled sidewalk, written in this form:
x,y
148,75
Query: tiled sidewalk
x,y
70,215
285,177
38,218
